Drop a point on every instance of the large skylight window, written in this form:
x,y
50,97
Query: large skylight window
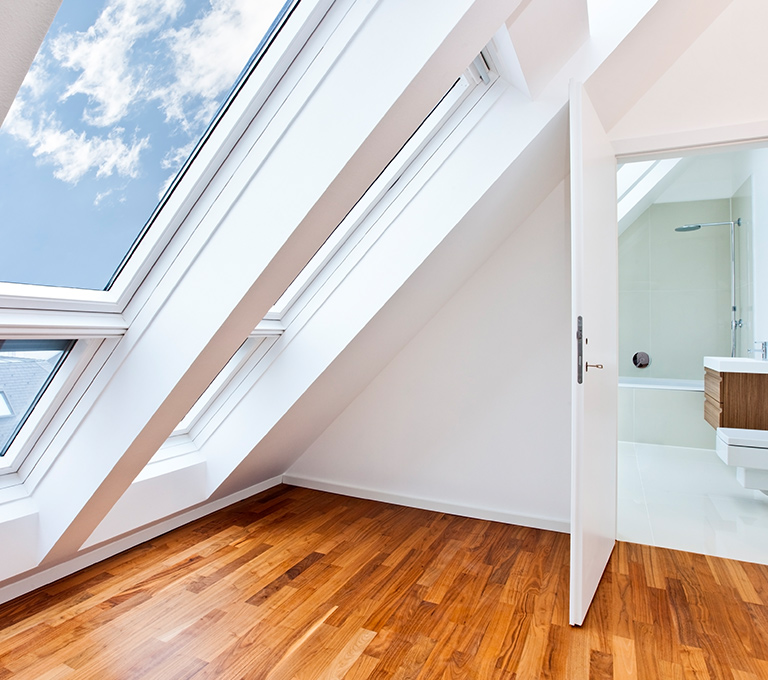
x,y
26,369
117,98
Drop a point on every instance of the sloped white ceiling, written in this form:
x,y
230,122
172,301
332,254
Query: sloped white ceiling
x,y
23,25
661,36
717,80
545,34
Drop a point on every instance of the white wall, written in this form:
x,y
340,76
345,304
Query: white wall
x,y
474,413
760,243
717,82
668,417
674,290
742,205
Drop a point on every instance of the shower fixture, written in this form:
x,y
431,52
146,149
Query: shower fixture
x,y
735,323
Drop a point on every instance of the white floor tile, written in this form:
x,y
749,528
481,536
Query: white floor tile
x,y
688,499
633,524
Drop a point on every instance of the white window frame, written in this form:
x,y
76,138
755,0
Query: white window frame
x,y
254,357
235,116
66,389
98,319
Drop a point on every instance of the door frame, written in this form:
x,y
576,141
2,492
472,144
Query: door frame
x,y
681,144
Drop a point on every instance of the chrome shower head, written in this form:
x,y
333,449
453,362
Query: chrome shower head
x,y
694,227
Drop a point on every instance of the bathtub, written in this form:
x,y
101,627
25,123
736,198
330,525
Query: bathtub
x,y
664,411
638,382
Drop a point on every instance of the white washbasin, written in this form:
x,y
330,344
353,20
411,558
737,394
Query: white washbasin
x,y
735,365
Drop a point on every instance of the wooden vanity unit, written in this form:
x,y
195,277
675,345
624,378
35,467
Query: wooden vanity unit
x,y
736,399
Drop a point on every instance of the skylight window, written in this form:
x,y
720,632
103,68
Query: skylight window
x,y
26,369
116,100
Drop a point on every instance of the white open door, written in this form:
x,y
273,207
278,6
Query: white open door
x,y
594,273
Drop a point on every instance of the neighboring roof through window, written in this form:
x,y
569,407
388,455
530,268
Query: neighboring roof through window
x,y
26,369
117,99
5,406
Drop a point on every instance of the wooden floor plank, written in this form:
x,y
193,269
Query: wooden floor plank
x,y
299,584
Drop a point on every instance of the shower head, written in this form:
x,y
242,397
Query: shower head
x,y
694,227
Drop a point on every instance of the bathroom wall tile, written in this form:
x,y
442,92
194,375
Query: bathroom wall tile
x,y
687,325
672,417
720,244
688,274
634,330
721,329
634,245
666,217
697,260
742,208
626,415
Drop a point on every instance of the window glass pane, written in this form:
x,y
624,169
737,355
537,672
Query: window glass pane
x,y
26,369
114,104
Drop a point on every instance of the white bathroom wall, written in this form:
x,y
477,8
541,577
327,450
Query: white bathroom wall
x,y
661,416
674,290
741,207
473,415
760,243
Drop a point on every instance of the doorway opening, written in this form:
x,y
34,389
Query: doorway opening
x,y
693,283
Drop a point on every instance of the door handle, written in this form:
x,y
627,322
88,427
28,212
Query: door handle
x,y
587,365
579,350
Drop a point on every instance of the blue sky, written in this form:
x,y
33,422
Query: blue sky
x,y
118,95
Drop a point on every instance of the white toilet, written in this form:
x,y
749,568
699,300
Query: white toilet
x,y
747,450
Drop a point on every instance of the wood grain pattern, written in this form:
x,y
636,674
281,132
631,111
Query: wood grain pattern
x,y
712,383
298,584
745,400
736,400
713,412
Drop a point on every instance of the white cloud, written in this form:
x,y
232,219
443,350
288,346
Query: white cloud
x,y
37,81
101,196
102,56
73,155
231,30
175,158
165,185
186,72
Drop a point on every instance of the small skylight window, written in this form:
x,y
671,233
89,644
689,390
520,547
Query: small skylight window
x,y
116,100
26,369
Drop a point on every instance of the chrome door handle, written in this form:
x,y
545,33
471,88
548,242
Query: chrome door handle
x,y
600,366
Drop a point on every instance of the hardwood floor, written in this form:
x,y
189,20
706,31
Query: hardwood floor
x,y
301,584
